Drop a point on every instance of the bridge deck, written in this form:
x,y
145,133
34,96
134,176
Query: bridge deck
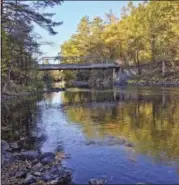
x,y
77,66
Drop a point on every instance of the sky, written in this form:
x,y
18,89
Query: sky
x,y
70,13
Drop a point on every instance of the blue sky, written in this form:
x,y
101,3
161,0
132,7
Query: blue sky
x,y
70,12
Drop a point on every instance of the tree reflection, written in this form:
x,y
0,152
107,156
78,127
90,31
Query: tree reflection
x,y
17,119
148,118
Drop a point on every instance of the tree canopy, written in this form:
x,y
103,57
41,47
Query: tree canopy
x,y
20,44
148,32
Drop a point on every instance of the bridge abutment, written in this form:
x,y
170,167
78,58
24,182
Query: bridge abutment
x,y
119,76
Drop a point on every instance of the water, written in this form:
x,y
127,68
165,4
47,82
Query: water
x,y
87,124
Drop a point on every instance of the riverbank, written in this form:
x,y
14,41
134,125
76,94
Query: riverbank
x,y
32,167
153,83
140,83
20,166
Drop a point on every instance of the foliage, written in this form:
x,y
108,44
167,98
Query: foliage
x,y
20,44
145,33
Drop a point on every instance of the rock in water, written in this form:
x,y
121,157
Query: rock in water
x,y
47,158
2,159
37,166
30,155
47,177
97,181
29,179
90,142
129,144
47,154
4,145
38,174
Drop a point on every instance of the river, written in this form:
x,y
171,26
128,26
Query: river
x,y
86,124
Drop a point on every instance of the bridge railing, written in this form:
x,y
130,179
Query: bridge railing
x,y
102,65
74,59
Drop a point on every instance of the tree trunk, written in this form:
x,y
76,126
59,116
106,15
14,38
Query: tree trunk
x,y
153,47
9,78
138,63
163,69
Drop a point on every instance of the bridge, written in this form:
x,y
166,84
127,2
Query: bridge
x,y
69,63
45,67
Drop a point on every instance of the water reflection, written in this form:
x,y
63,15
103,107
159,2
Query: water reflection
x,y
18,117
84,121
68,120
146,117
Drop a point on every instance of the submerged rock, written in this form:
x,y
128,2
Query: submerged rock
x,y
29,179
90,142
97,181
29,155
129,144
47,177
116,141
38,174
37,166
54,170
7,157
47,154
4,145
111,141
47,158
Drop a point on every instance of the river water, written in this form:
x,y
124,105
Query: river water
x,y
86,124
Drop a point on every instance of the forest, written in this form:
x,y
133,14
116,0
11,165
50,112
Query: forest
x,y
146,33
21,44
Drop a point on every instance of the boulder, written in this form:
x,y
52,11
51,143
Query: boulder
x,y
29,155
97,181
4,145
38,174
29,179
47,158
21,174
47,154
14,146
37,166
47,177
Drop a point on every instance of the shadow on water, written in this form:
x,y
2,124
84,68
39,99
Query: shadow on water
x,y
88,124
18,118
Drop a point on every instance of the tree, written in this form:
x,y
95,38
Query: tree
x,y
20,45
148,32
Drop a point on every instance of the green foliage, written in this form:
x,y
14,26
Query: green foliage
x,y
145,33
20,45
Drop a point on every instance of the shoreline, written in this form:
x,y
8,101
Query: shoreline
x,y
21,166
7,96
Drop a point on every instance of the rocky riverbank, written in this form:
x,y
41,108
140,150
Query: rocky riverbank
x,y
32,167
28,167
154,83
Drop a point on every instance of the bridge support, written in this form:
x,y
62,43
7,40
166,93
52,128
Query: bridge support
x,y
115,75
121,72
118,75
